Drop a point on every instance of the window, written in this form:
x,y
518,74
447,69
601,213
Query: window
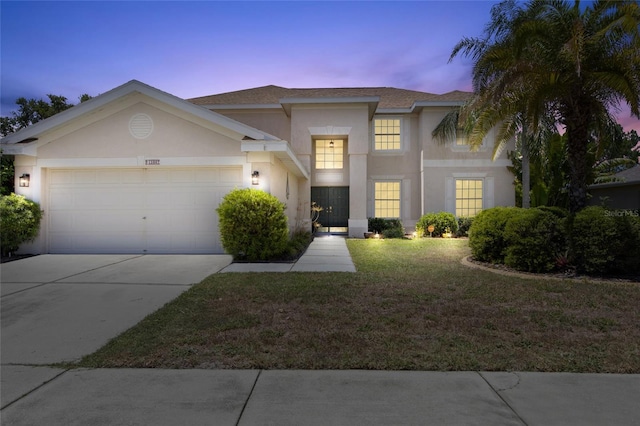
x,y
329,154
468,197
387,134
461,139
387,199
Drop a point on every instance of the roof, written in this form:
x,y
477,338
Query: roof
x,y
624,178
630,175
389,97
31,133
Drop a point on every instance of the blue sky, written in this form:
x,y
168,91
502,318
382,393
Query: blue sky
x,y
198,48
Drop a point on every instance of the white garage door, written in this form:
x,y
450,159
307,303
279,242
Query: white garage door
x,y
137,210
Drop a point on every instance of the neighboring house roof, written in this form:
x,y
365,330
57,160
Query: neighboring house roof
x,y
630,175
388,98
626,177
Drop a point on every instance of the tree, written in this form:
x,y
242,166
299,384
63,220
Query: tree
x,y
496,56
557,61
30,111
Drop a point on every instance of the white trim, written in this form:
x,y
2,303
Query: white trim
x,y
471,175
330,131
467,163
140,162
282,150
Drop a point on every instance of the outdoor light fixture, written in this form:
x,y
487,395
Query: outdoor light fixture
x,y
255,178
331,144
24,180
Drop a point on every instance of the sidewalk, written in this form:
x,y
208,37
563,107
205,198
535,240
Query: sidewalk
x,y
328,397
325,254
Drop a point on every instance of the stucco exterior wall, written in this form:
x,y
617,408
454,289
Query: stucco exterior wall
x,y
443,163
273,121
403,165
624,196
349,122
172,136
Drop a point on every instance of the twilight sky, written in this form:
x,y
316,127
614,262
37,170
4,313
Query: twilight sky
x,y
198,48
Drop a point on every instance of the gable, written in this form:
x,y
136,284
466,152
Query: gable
x,y
140,129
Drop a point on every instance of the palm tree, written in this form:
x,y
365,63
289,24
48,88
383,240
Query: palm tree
x,y
499,100
553,60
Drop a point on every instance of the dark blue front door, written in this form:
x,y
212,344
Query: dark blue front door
x,y
334,217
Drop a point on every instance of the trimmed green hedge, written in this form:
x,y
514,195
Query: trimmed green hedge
x,y
535,239
389,228
253,225
604,242
594,241
19,222
486,235
441,222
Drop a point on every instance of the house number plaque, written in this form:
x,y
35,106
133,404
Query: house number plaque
x,y
152,162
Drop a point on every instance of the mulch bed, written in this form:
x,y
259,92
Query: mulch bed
x,y
553,275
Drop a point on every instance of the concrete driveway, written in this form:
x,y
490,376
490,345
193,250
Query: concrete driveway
x,y
57,308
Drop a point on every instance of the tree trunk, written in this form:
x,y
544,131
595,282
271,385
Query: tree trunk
x,y
526,170
577,140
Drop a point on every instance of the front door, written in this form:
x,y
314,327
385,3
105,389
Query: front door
x,y
334,217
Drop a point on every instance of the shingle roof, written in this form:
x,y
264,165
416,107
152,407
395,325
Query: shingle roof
x,y
390,97
630,175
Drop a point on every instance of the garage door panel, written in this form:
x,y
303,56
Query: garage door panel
x,y
137,210
61,198
61,221
231,176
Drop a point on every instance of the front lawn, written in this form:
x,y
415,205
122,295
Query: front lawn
x,y
411,305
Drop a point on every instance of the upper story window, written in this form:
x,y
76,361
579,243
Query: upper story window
x,y
387,136
461,143
461,139
329,154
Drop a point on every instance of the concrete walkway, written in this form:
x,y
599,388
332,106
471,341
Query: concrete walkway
x,y
352,397
325,254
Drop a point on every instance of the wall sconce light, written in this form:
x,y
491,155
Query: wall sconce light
x,y
255,178
24,180
331,144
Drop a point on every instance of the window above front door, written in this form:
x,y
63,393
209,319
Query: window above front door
x,y
329,154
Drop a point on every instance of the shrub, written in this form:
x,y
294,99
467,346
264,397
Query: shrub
x,y
556,211
535,239
377,224
19,222
253,225
486,235
441,221
628,230
389,228
298,243
464,224
605,243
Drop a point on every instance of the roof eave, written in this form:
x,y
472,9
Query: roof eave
x,y
282,151
423,104
371,101
128,88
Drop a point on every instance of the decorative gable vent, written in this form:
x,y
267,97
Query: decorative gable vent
x,y
141,126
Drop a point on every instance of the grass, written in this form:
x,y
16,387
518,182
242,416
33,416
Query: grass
x,y
411,305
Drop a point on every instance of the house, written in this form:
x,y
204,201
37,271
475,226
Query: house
x,y
137,170
623,194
